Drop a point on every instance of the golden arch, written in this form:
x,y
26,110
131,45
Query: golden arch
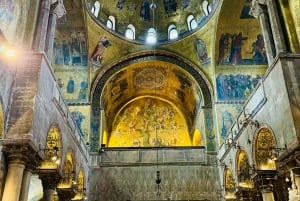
x,y
68,171
263,149
197,139
244,171
80,195
229,184
52,149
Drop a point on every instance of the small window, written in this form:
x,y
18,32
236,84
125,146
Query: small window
x,y
172,32
111,22
151,36
96,8
192,24
206,7
130,32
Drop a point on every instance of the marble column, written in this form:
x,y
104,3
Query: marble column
x,y
66,194
42,24
277,32
50,181
25,184
57,11
258,12
13,181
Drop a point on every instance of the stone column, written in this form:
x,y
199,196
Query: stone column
x,y
258,12
278,37
66,194
50,180
25,184
57,11
13,181
41,28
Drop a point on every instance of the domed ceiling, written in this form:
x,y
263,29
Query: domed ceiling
x,y
184,16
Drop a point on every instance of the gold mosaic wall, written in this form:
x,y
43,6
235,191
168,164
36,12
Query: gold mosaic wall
x,y
149,122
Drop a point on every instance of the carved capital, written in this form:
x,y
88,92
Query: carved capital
x,y
50,178
256,9
58,9
22,154
66,193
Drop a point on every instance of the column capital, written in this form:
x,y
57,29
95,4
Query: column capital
x,y
23,154
58,9
256,9
66,193
50,178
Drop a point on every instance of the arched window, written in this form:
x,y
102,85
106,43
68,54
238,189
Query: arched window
x,y
172,32
96,8
206,7
151,36
130,32
111,22
192,24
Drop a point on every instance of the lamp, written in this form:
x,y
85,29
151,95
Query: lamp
x,y
151,37
102,149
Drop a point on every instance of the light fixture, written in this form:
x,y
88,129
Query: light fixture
x,y
151,37
102,149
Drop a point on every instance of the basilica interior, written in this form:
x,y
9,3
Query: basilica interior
x,y
144,100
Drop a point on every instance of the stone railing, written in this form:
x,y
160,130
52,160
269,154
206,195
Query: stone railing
x,y
151,155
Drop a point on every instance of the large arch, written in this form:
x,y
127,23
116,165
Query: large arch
x,y
185,76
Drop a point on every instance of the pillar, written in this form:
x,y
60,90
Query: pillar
x,y
16,166
42,24
57,11
258,12
50,180
66,194
278,36
25,184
